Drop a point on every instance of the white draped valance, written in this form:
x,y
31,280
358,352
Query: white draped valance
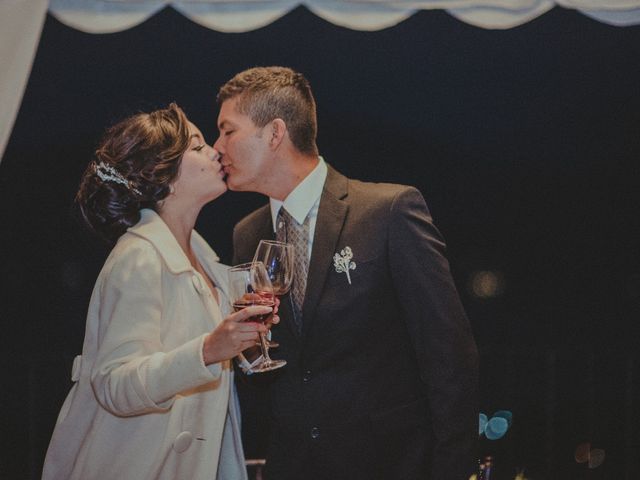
x,y
102,16
21,22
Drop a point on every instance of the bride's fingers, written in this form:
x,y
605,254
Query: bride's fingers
x,y
246,313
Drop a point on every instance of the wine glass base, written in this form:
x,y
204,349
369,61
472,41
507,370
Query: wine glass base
x,y
271,344
268,365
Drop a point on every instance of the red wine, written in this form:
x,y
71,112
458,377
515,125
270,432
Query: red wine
x,y
261,300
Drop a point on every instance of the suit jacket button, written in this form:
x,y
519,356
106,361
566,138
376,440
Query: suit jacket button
x,y
182,442
306,376
315,433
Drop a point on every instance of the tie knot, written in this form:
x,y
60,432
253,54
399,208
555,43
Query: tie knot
x,y
283,224
285,221
284,215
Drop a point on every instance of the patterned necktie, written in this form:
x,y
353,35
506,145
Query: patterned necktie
x,y
290,231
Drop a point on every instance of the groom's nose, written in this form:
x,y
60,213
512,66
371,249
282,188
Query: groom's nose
x,y
218,145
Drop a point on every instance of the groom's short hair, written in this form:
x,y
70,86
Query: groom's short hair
x,y
267,93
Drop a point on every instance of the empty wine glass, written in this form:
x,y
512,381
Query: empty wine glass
x,y
277,258
249,284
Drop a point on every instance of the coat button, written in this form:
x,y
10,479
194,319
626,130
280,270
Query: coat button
x,y
306,376
315,433
182,441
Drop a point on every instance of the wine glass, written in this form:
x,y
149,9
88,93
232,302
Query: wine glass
x,y
249,284
277,258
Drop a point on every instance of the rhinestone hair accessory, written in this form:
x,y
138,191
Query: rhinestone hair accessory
x,y
107,173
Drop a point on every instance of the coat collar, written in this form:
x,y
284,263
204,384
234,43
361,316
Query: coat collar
x,y
153,229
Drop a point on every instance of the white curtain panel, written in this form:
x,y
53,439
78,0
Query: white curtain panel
x,y
21,23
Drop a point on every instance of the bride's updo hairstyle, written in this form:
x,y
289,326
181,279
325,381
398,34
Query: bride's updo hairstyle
x,y
134,166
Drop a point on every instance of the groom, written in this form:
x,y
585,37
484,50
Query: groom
x,y
382,369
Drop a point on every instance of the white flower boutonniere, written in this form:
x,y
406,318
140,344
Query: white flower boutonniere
x,y
343,263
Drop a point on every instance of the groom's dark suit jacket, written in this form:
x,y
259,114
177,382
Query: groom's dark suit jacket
x,y
382,381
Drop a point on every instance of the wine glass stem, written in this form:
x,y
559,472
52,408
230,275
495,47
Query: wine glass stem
x,y
264,345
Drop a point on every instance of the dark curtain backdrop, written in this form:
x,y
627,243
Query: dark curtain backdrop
x,y
524,142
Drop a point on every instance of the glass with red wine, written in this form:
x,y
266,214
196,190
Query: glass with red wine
x,y
277,258
249,284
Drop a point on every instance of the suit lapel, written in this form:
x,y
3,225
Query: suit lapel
x,y
331,216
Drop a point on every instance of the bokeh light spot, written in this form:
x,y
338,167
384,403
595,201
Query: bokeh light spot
x,y
506,414
486,284
593,457
596,457
496,428
582,452
483,423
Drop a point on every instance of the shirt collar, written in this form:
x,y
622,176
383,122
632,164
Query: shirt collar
x,y
302,198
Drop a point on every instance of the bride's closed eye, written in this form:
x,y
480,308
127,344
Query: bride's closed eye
x,y
197,148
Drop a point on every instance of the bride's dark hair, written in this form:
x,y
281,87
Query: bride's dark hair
x,y
134,166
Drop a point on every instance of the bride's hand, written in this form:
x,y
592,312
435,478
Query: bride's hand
x,y
275,318
235,334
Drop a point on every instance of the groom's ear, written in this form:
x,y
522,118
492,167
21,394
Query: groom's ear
x,y
278,131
